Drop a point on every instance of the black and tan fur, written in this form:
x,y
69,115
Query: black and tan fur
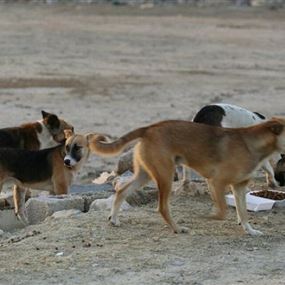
x,y
43,169
45,133
224,156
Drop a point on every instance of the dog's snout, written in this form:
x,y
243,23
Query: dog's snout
x,y
67,161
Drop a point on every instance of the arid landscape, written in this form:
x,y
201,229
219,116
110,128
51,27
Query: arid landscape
x,y
111,69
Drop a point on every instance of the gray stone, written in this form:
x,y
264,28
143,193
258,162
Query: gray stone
x,y
6,200
66,214
41,207
106,204
9,221
91,192
142,196
279,204
125,162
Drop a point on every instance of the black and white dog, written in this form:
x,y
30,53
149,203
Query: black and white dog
x,y
231,116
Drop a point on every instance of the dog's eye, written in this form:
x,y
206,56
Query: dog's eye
x,y
67,148
76,147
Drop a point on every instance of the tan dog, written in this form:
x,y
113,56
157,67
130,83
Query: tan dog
x,y
224,156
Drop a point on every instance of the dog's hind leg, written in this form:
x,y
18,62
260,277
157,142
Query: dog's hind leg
x,y
239,191
162,172
19,195
139,179
164,186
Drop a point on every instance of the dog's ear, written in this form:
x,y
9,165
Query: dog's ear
x,y
53,121
68,133
45,114
276,128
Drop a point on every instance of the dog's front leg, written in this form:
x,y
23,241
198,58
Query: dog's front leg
x,y
19,195
239,191
184,182
270,179
140,178
60,188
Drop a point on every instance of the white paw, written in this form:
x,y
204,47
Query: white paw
x,y
248,229
255,233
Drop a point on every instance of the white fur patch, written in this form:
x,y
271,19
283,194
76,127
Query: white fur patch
x,y
45,138
238,117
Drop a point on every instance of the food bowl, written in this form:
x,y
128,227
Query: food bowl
x,y
260,201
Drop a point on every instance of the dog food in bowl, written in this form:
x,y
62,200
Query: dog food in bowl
x,y
269,194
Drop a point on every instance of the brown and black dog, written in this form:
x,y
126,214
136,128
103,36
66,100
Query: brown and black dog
x,y
45,133
225,156
44,169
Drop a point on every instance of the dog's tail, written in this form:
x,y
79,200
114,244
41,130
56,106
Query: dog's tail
x,y
99,143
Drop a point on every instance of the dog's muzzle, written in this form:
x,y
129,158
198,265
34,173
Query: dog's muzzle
x,y
67,163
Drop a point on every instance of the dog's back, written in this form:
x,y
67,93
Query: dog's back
x,y
228,116
23,137
27,166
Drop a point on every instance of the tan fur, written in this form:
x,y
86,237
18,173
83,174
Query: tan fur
x,y
224,156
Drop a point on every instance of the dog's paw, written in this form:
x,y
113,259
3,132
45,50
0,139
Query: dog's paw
x,y
253,232
114,221
181,230
249,230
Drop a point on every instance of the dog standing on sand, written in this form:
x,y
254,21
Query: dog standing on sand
x,y
224,156
45,133
231,116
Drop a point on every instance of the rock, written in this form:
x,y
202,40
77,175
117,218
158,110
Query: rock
x,y
41,207
9,221
142,196
91,192
105,177
125,162
106,204
1,233
66,213
6,200
122,179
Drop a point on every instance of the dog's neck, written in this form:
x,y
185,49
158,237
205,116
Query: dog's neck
x,y
262,144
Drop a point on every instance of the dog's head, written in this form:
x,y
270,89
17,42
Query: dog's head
x,y
277,127
56,126
76,148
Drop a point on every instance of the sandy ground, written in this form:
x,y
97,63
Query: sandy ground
x,y
109,70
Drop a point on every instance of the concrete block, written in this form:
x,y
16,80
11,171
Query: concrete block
x,y
91,192
66,214
106,204
43,206
9,221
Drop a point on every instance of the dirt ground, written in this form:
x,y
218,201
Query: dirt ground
x,y
111,69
